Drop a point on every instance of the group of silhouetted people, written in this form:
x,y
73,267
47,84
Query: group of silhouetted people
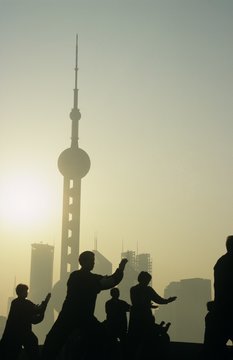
x,y
129,330
77,333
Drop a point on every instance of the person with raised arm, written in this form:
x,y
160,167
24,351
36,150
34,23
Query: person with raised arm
x,y
18,332
77,313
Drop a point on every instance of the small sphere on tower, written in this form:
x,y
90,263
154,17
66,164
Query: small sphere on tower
x,y
75,114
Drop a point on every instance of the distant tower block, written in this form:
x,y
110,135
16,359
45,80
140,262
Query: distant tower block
x,y
74,164
41,282
143,263
41,272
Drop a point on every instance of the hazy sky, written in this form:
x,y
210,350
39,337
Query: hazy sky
x,y
155,94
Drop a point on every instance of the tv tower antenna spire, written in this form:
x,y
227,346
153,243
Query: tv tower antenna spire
x,y
75,114
76,75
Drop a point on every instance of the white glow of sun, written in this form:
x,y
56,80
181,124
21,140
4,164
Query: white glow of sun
x,y
24,200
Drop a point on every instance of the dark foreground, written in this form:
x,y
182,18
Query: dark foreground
x,y
178,350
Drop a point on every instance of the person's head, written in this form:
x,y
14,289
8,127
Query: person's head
x,y
22,291
87,260
144,278
115,293
229,244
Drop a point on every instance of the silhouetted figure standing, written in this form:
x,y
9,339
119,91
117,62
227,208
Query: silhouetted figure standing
x,y
18,330
77,313
116,318
219,320
142,328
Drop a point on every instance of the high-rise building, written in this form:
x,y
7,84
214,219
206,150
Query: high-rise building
x,y
102,265
131,256
187,313
41,282
41,271
143,263
73,163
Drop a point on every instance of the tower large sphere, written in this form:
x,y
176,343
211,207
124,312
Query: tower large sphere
x,y
74,163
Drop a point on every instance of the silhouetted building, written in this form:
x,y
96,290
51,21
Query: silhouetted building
x,y
131,256
73,164
41,272
130,275
187,313
41,282
144,263
104,267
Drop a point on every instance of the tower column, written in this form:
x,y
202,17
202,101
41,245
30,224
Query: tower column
x,y
73,163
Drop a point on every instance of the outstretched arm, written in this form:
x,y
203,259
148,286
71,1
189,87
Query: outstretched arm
x,y
107,282
160,300
40,310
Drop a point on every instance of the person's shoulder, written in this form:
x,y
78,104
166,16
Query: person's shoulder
x,y
28,303
14,303
73,277
74,274
221,260
134,287
123,302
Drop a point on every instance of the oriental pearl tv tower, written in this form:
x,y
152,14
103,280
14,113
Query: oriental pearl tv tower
x,y
74,164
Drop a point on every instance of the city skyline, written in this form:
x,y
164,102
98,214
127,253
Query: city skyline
x,y
155,90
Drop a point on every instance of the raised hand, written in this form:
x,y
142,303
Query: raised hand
x,y
122,264
46,300
172,298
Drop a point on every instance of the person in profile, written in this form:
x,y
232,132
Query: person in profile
x,y
18,332
142,327
116,319
219,319
77,313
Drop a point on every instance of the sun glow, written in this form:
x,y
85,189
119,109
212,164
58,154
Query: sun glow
x,y
24,200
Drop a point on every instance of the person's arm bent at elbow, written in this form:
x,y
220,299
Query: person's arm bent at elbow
x,y
108,282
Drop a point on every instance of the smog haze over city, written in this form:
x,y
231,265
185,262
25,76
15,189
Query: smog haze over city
x,y
155,94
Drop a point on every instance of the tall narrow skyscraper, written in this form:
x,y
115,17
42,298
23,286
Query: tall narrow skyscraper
x,y
41,281
73,163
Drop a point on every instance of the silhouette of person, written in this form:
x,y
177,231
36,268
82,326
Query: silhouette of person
x,y
214,337
18,329
142,326
116,318
77,313
219,319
